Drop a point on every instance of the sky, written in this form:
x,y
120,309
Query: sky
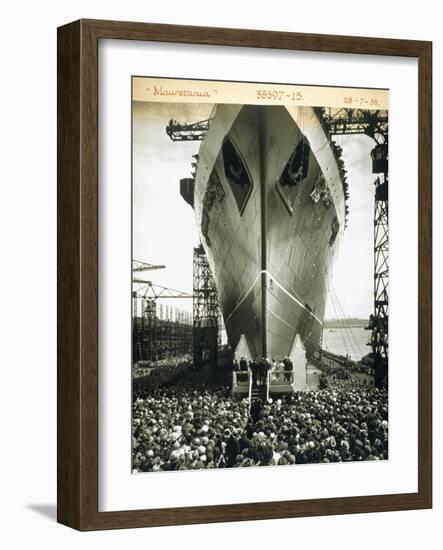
x,y
164,229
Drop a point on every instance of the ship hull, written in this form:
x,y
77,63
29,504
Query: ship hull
x,y
269,238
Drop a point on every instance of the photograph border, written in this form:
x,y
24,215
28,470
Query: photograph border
x,y
77,274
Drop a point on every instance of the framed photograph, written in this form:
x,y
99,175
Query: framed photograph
x,y
244,302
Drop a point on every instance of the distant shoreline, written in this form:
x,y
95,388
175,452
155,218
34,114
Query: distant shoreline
x,y
349,323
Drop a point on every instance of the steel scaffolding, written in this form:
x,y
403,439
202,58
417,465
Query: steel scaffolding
x,y
379,322
206,310
159,331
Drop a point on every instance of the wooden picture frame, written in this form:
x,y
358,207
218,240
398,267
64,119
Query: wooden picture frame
x,y
77,481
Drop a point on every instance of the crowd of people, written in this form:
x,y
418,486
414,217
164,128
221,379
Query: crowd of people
x,y
352,380
159,375
142,368
179,429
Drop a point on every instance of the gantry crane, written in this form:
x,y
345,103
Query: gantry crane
x,y
374,124
354,121
194,131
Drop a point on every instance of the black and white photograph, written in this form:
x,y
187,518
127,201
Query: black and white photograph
x,y
260,297
231,317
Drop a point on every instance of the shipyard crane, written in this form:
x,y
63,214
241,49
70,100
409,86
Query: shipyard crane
x,y
194,131
138,265
373,123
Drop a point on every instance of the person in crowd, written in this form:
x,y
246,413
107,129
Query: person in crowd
x,y
244,442
256,407
243,364
269,366
263,368
279,369
288,367
254,372
260,369
232,448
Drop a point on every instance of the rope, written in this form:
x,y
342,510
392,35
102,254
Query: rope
x,y
336,305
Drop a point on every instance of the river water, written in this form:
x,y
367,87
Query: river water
x,y
350,341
